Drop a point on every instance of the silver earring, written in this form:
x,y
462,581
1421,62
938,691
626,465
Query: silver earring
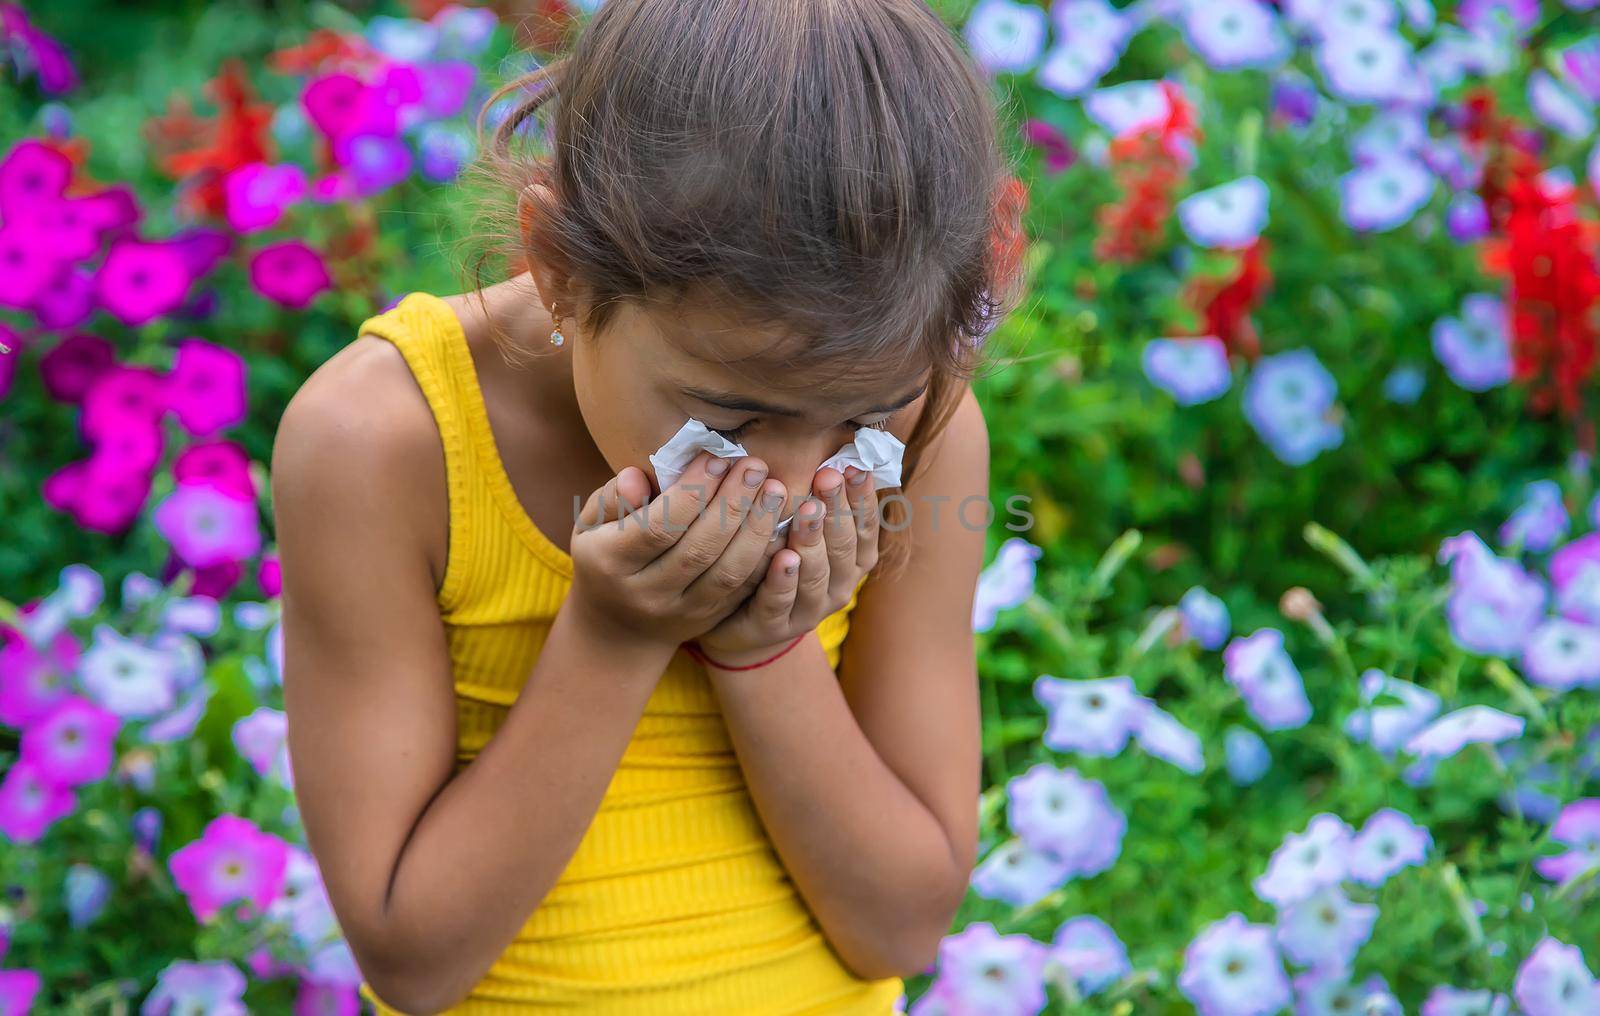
x,y
556,338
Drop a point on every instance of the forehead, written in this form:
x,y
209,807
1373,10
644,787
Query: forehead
x,y
711,349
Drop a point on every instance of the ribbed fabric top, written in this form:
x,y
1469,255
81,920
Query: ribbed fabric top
x,y
675,900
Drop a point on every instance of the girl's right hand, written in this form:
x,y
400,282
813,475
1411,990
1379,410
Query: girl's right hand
x,y
672,569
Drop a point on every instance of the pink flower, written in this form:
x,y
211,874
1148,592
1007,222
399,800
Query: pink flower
x,y
32,175
224,465
207,527
206,389
232,860
25,267
340,105
30,803
141,281
289,273
317,999
72,229
17,990
73,743
72,367
135,447
99,492
121,396
259,194
33,682
66,301
269,577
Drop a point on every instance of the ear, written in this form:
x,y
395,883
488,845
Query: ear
x,y
532,205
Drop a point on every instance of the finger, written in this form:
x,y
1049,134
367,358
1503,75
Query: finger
x,y
838,530
744,558
647,534
618,496
864,509
773,602
805,539
698,554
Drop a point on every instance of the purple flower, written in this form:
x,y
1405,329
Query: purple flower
x,y
1562,654
1094,717
1494,603
1467,218
1288,400
289,273
1447,1001
1058,811
206,388
1247,756
232,860
1230,34
1365,65
1559,109
404,39
1476,348
85,891
18,988
1229,216
1325,929
1329,991
1205,618
1191,370
1090,953
1070,71
1162,735
128,678
1019,875
1005,583
1090,22
465,31
1388,842
1232,968
372,162
1331,17
1554,981
207,527
1390,134
258,195
1006,37
141,281
1499,17
215,988
1384,194
1469,725
444,150
984,971
1294,99
1580,65
1578,827
73,743
66,301
1539,522
1307,861
1404,384
262,738
33,682
1268,680
30,802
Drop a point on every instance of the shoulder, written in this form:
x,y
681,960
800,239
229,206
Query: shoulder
x,y
358,437
957,459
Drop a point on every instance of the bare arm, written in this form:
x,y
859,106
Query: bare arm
x,y
868,782
430,877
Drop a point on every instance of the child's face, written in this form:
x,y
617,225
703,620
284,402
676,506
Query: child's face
x,y
636,386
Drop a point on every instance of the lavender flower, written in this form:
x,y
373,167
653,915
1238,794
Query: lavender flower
x,y
1563,654
1562,111
1289,401
1005,583
1067,815
85,891
215,988
1267,679
1006,36
1539,522
1325,929
1307,861
1231,34
132,680
1205,618
984,971
1448,1001
1329,991
1191,370
1232,968
1388,727
1388,842
1070,71
1231,215
1094,717
1162,735
1404,384
1494,603
1247,756
1476,348
1090,953
1365,65
1450,733
1554,981
1578,827
1018,874
1381,195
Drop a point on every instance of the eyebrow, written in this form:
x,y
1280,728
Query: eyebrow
x,y
741,403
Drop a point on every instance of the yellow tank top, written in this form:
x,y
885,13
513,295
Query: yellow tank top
x,y
675,900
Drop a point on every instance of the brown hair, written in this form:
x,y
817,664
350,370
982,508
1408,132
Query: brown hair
x,y
827,166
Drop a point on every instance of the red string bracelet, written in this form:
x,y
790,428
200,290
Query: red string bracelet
x,y
694,651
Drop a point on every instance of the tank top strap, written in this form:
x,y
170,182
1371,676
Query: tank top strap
x,y
428,334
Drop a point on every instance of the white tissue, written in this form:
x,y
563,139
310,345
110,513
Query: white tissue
x,y
873,451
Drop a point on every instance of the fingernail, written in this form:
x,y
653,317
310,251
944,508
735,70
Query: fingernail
x,y
772,500
717,466
857,477
754,475
788,569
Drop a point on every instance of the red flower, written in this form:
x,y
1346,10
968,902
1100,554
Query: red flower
x,y
1226,304
1149,163
1008,240
1547,256
203,153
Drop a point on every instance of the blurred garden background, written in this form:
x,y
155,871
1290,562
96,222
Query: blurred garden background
x,y
1290,690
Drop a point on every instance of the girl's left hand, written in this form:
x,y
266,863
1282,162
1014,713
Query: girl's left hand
x,y
832,543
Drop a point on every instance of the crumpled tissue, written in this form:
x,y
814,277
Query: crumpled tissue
x,y
874,451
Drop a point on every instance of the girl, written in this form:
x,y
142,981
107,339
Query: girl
x,y
556,755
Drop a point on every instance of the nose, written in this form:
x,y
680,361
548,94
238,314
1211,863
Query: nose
x,y
794,463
